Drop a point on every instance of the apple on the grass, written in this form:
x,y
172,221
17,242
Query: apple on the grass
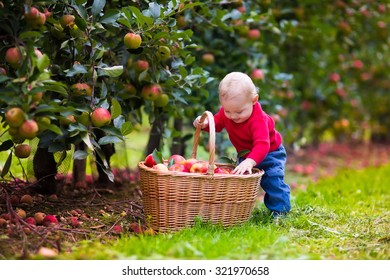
x,y
160,167
198,167
178,167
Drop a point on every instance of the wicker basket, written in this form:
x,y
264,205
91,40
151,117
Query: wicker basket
x,y
172,200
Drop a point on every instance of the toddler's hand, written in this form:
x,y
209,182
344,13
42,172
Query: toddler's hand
x,y
202,125
245,166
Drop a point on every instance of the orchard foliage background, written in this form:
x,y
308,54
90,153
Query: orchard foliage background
x,y
322,68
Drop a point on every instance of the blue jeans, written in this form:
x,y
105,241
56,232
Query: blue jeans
x,y
277,192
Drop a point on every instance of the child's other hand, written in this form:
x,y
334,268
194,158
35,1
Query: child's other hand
x,y
202,125
245,166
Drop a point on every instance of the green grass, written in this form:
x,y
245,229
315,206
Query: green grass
x,y
345,217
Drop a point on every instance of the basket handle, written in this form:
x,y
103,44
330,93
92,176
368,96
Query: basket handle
x,y
210,118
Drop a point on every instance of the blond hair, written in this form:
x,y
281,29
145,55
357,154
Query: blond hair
x,y
235,84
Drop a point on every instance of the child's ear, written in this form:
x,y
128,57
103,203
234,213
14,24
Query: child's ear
x,y
255,99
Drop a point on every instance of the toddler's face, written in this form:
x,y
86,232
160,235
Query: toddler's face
x,y
238,109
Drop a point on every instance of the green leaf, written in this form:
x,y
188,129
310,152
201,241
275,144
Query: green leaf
x,y
155,9
55,129
97,7
116,109
76,69
126,128
5,146
56,87
6,166
226,160
81,23
86,140
80,155
157,156
109,140
110,17
114,71
62,158
43,62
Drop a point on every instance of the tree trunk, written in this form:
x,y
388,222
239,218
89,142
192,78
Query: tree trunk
x,y
155,135
45,170
79,169
178,145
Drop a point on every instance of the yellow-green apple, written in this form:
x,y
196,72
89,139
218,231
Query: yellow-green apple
x,y
100,117
132,40
14,57
141,65
43,123
189,162
176,158
198,167
28,129
151,92
257,74
163,53
253,34
67,20
149,161
15,117
162,100
23,150
160,167
208,58
81,89
39,216
178,167
67,120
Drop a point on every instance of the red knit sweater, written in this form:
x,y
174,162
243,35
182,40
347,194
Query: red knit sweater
x,y
257,134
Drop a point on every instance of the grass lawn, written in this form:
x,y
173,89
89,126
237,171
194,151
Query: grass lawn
x,y
344,217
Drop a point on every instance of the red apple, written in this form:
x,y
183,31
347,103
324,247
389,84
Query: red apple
x,y
189,162
257,74
100,117
160,167
151,92
176,159
149,161
334,77
35,18
141,65
178,167
23,151
14,57
3,72
253,34
222,170
15,117
132,40
198,167
358,64
49,220
28,129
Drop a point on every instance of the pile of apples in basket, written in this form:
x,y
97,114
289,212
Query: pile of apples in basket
x,y
178,163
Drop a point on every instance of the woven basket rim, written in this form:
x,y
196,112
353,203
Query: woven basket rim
x,y
255,172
